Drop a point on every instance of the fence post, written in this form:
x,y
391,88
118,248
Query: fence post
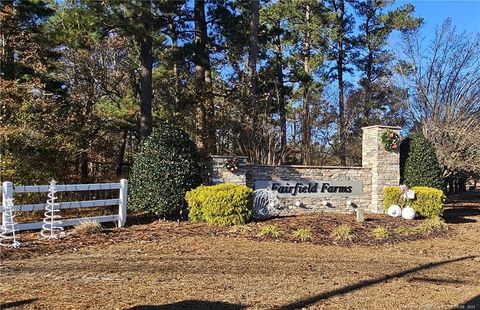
x,y
7,193
122,207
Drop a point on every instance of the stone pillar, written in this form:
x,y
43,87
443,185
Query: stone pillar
x,y
221,175
384,165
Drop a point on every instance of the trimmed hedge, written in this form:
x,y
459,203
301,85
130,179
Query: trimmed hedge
x,y
428,201
167,166
421,166
223,204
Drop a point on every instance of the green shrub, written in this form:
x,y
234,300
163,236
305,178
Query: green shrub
x,y
303,234
270,230
380,232
428,201
391,196
342,233
167,166
223,204
421,164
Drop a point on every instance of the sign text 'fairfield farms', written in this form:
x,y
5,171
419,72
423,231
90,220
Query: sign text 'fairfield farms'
x,y
308,188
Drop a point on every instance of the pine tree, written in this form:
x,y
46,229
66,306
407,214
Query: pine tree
x,y
342,36
373,59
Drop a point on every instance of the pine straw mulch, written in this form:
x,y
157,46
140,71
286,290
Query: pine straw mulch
x,y
148,229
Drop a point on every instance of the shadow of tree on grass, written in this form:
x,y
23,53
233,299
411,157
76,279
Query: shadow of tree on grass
x,y
473,303
458,215
14,304
363,284
192,305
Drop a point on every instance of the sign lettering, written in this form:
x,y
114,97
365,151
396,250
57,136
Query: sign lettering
x,y
307,188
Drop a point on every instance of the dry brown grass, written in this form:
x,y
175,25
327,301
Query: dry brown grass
x,y
166,265
87,227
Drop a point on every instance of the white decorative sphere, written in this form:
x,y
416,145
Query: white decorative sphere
x,y
394,211
408,213
298,203
349,203
325,203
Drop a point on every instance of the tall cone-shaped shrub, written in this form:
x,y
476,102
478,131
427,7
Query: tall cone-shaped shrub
x,y
421,164
167,166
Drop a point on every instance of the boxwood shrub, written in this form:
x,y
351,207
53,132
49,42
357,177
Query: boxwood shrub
x,y
223,204
428,201
167,166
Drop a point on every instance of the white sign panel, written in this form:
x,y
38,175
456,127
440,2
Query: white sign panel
x,y
309,188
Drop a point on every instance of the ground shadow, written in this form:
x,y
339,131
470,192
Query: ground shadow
x,y
140,219
193,305
458,215
19,303
473,303
436,280
460,207
363,284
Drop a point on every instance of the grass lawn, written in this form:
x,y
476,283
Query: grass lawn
x,y
163,265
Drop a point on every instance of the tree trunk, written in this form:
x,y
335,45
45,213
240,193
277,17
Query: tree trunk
x,y
306,130
146,61
121,153
341,97
462,185
341,104
84,165
451,189
253,51
175,75
205,109
282,110
368,72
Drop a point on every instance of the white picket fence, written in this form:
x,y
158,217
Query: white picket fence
x,y
9,189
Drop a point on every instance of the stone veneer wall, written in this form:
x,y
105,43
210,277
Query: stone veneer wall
x,y
380,168
315,204
221,175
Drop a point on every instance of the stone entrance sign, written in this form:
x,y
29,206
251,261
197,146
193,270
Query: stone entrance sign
x,y
324,188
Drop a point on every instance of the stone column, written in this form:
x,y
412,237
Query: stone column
x,y
384,165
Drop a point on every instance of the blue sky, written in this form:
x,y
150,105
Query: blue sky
x,y
465,14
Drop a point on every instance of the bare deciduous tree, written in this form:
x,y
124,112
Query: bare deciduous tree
x,y
445,104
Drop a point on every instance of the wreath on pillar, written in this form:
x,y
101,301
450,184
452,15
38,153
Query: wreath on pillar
x,y
390,140
232,164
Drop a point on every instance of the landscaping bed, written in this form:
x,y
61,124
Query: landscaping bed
x,y
282,229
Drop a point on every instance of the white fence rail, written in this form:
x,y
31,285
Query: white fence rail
x,y
8,190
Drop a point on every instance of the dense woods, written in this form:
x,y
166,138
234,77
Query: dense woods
x,y
283,82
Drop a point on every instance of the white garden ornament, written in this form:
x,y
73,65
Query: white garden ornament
x,y
394,211
408,213
8,237
52,226
265,204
